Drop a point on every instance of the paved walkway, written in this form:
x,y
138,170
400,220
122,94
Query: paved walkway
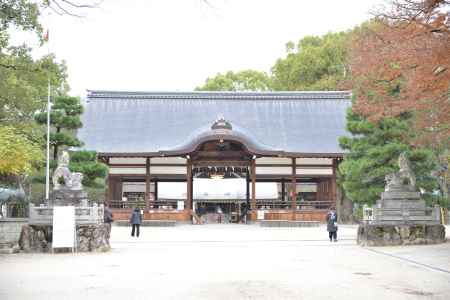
x,y
231,262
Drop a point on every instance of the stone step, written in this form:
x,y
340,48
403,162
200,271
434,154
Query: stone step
x,y
401,218
398,213
158,223
9,248
285,223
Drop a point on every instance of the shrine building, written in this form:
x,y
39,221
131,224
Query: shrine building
x,y
245,155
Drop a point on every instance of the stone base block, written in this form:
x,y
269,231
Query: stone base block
x,y
9,248
90,238
157,223
285,223
396,235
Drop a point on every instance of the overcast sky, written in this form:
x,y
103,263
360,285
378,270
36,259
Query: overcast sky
x,y
174,45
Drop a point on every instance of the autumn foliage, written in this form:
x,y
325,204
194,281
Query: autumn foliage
x,y
400,63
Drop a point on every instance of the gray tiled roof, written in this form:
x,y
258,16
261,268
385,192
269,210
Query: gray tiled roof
x,y
147,122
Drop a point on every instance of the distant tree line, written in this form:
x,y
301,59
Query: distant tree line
x,y
398,67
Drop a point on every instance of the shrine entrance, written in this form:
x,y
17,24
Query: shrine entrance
x,y
220,194
220,182
221,175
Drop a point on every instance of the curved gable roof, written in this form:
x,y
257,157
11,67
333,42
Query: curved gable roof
x,y
145,123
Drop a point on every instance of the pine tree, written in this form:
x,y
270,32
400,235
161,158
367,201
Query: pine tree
x,y
86,163
65,118
373,152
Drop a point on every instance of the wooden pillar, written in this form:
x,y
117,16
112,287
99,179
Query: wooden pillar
x,y
108,189
247,181
192,190
319,190
333,183
283,189
147,183
253,175
156,189
114,188
294,184
109,192
189,185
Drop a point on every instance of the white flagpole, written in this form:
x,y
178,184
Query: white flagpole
x,y
47,173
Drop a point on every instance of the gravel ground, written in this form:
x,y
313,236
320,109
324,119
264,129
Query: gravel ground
x,y
231,262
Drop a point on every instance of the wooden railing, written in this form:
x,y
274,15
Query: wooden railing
x,y
260,204
301,205
129,204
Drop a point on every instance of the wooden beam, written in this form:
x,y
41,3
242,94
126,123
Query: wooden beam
x,y
333,183
220,154
303,166
253,178
144,165
189,186
225,163
247,182
109,191
294,184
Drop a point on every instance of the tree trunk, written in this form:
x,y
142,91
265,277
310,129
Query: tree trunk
x,y
55,146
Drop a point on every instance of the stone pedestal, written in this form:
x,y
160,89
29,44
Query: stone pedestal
x,y
396,235
66,196
90,238
401,217
402,207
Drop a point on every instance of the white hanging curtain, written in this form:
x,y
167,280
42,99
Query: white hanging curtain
x,y
212,189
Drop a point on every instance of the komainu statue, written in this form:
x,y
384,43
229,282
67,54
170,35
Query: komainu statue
x,y
63,178
404,179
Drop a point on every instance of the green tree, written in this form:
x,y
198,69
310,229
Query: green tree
x,y
22,14
65,118
24,79
248,80
315,63
86,163
18,156
23,87
373,151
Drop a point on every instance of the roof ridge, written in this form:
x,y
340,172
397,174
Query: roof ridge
x,y
220,95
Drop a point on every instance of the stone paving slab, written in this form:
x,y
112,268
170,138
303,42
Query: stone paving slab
x,y
231,262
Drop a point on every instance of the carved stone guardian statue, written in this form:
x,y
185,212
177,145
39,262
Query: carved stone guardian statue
x,y
63,178
404,179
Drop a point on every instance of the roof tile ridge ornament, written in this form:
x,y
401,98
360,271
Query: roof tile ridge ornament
x,y
221,123
221,95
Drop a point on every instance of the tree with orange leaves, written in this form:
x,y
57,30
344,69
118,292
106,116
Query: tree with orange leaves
x,y
400,64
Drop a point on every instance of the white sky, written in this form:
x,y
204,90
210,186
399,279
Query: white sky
x,y
155,45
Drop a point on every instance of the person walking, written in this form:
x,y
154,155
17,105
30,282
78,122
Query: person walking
x,y
107,219
135,221
332,225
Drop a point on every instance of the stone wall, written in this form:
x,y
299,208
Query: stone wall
x,y
10,229
90,238
395,235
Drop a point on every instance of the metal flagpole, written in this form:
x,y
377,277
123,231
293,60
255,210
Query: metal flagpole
x,y
47,173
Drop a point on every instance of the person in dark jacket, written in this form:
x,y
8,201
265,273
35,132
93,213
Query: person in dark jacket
x,y
135,221
332,225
